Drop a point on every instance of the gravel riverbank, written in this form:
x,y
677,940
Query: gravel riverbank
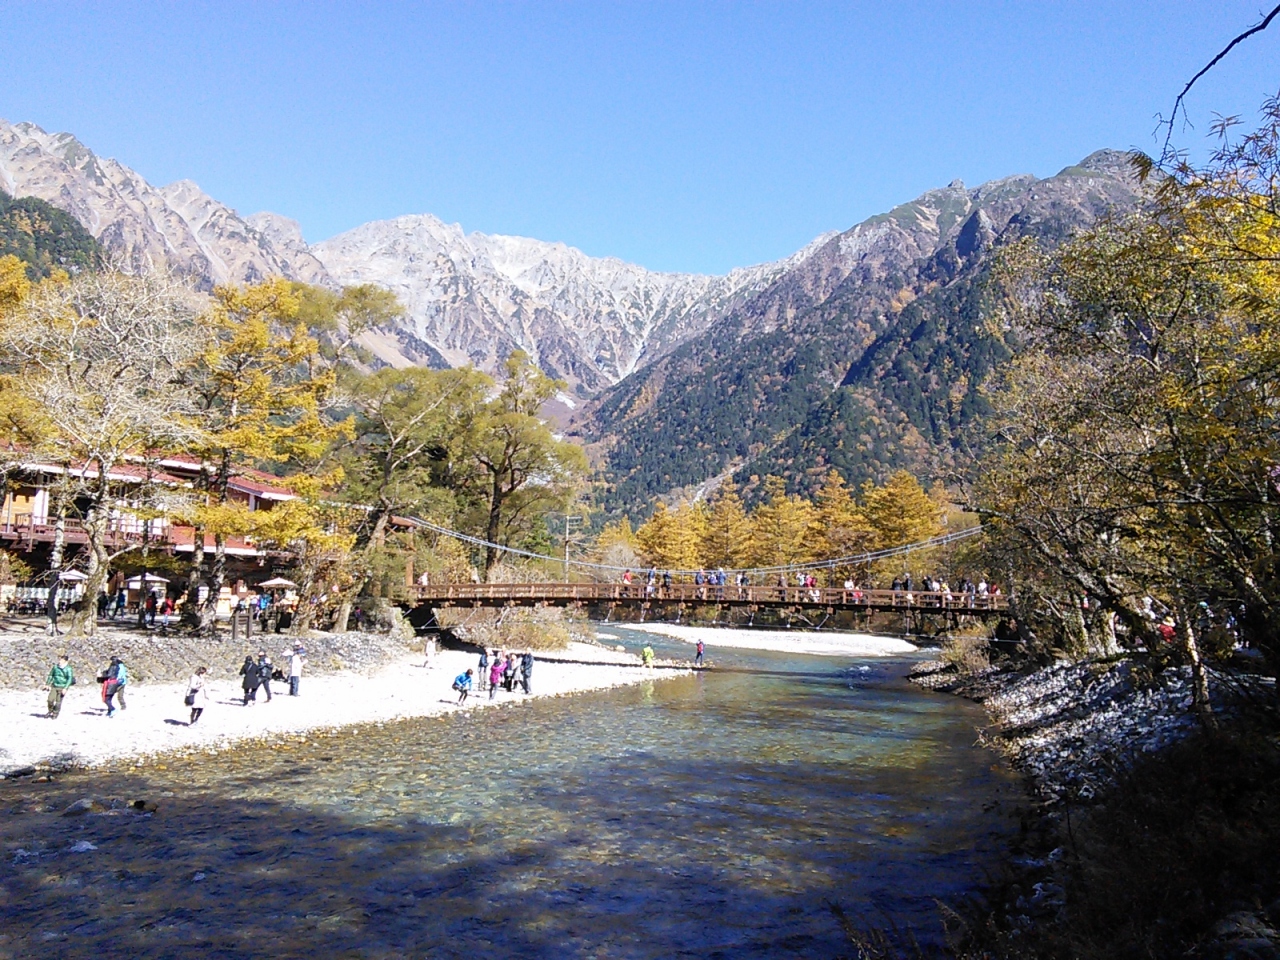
x,y
1071,726
1147,835
350,679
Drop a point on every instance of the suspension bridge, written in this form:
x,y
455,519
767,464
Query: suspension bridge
x,y
676,599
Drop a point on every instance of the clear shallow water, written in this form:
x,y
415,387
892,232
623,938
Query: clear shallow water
x,y
715,815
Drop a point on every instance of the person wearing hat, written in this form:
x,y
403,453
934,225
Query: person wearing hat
x,y
295,668
61,676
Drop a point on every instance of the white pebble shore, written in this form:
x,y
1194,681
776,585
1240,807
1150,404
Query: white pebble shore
x,y
155,719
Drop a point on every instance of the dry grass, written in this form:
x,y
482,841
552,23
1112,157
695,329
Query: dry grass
x,y
967,653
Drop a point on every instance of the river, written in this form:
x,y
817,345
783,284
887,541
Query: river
x,y
713,815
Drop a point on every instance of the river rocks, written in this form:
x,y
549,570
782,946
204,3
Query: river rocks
x,y
80,807
1070,726
1244,935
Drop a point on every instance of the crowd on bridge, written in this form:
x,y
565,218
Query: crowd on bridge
x,y
718,585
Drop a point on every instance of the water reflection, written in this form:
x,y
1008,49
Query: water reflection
x,y
710,815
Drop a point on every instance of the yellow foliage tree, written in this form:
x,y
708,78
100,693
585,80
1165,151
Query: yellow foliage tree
x,y
845,529
259,392
784,529
728,528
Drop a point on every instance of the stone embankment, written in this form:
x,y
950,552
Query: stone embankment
x,y
1075,730
1071,726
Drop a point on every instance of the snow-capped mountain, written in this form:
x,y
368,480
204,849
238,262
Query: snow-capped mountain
x,y
178,227
472,298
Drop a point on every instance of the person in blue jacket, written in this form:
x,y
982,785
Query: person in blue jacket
x,y
462,683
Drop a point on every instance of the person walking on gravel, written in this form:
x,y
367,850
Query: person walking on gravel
x,y
61,676
264,672
526,670
495,674
296,659
249,670
197,697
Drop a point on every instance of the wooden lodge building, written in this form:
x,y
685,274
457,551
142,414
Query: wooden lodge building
x,y
28,521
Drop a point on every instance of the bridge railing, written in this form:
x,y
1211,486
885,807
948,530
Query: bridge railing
x,y
638,592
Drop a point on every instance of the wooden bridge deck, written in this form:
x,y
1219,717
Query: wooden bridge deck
x,y
753,597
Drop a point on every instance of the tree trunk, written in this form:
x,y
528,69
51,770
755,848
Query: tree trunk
x,y
1200,702
85,620
342,621
191,613
495,524
217,575
306,610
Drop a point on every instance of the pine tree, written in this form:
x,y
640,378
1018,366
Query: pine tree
x,y
784,529
728,527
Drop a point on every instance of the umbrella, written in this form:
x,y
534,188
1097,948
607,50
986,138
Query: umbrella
x,y
74,576
277,583
135,583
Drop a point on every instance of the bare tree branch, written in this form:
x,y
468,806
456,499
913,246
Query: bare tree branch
x,y
1178,103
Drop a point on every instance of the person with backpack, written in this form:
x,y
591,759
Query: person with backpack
x,y
113,683
264,672
509,673
483,668
697,660
249,670
526,670
197,697
462,683
60,678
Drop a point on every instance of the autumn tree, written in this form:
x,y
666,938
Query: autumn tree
x,y
727,529
1135,442
259,393
784,528
844,528
519,468
94,368
674,539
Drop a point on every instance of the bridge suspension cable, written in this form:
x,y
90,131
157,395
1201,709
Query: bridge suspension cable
x,y
847,561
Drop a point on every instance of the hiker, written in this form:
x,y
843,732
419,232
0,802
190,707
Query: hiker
x,y
509,673
483,669
697,660
113,682
526,670
197,698
462,683
264,672
122,597
249,670
166,613
152,603
647,655
296,659
429,653
61,676
104,601
495,674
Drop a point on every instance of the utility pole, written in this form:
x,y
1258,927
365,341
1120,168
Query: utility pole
x,y
568,523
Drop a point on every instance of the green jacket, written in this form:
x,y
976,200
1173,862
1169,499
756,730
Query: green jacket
x,y
61,677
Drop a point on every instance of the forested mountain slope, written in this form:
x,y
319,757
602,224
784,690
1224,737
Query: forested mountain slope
x,y
867,355
44,237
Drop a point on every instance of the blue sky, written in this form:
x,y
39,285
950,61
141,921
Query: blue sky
x,y
682,136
